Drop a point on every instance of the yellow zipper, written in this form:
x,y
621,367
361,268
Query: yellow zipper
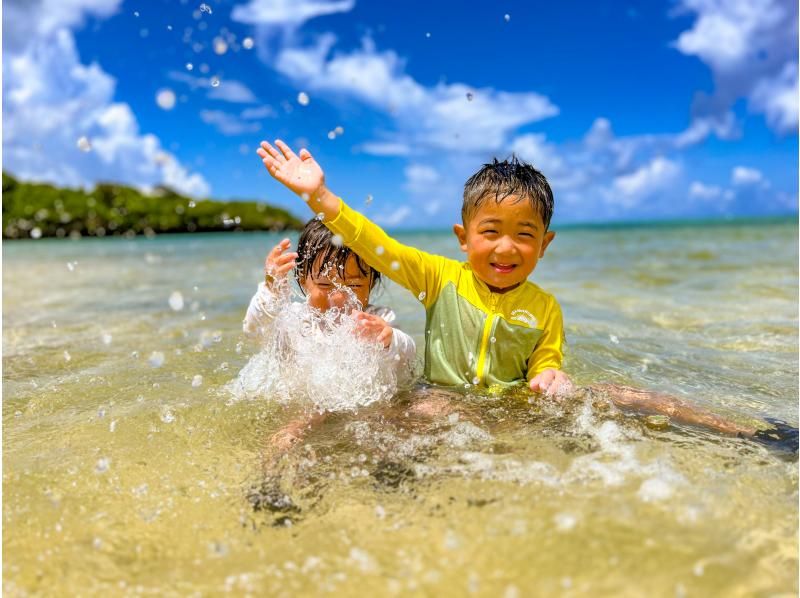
x,y
487,330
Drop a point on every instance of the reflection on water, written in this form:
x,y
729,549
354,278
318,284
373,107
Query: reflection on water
x,y
127,468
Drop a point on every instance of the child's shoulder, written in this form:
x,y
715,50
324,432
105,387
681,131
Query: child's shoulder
x,y
533,292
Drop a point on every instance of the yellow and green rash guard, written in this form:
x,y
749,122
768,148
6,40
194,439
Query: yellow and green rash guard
x,y
473,335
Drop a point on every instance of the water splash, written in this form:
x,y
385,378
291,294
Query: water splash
x,y
315,359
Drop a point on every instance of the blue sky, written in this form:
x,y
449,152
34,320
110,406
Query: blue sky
x,y
633,110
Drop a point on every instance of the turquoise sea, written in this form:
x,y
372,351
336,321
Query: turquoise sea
x,y
127,464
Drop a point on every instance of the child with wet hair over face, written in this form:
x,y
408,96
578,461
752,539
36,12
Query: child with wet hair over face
x,y
332,277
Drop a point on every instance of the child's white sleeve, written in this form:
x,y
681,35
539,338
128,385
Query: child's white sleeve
x,y
261,311
402,357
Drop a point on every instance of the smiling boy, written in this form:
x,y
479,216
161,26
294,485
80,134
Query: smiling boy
x,y
486,323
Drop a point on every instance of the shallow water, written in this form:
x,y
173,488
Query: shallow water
x,y
124,473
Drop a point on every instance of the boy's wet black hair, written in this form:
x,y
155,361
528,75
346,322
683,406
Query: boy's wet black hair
x,y
317,253
502,179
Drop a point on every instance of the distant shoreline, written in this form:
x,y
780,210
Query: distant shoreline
x,y
39,211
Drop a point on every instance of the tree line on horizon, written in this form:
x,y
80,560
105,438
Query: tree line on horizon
x,y
38,210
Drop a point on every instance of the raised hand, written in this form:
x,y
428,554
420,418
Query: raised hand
x,y
372,327
300,173
279,262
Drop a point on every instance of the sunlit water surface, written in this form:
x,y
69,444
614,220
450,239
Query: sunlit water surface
x,y
128,461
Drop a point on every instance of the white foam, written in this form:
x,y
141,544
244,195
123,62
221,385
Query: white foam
x,y
313,358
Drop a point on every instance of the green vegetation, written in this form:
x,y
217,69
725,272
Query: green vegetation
x,y
40,210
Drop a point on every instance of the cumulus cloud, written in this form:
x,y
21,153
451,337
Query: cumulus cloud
x,y
453,117
228,124
704,192
228,90
51,99
420,178
287,13
650,178
393,218
742,175
751,48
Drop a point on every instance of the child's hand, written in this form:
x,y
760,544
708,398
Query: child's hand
x,y
300,173
553,383
278,264
372,327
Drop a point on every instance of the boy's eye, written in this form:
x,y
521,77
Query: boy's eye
x,y
530,235
489,231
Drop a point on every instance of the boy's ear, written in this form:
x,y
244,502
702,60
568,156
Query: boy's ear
x,y
461,235
548,238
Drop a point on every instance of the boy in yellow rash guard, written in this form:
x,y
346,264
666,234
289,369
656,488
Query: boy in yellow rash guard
x,y
486,323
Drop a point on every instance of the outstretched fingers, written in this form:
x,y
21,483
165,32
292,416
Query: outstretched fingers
x,y
288,154
267,150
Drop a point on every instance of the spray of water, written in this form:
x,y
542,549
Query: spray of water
x,y
315,359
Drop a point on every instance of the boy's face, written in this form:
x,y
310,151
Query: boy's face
x,y
326,289
504,241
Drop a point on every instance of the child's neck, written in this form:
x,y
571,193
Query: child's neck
x,y
503,290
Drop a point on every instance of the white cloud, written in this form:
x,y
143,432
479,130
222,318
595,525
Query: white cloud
x,y
228,90
654,176
259,112
394,217
701,191
385,148
751,48
291,13
440,117
776,97
51,100
420,178
742,175
228,124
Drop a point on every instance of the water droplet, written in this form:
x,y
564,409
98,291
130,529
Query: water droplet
x,y
67,356
303,99
380,512
614,338
320,216
421,296
167,416
305,196
71,266
205,8
368,200
112,426
192,204
214,81
428,34
220,46
84,144
107,338
189,66
331,135
507,17
339,130
248,43
379,250
176,301
475,380
136,13
395,265
102,466
156,359
197,381
36,233
470,95
169,27
165,98
239,347
493,340
337,241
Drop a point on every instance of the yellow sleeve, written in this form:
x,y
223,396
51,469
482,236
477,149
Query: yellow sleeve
x,y
417,271
549,351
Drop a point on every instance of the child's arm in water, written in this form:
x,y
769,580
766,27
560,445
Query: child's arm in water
x,y
270,295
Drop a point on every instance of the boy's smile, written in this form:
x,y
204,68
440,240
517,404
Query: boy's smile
x,y
504,241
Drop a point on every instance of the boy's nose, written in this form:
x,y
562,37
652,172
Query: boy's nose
x,y
505,246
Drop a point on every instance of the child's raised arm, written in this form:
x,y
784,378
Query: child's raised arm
x,y
411,268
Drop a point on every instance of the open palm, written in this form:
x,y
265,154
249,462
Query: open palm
x,y
300,173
